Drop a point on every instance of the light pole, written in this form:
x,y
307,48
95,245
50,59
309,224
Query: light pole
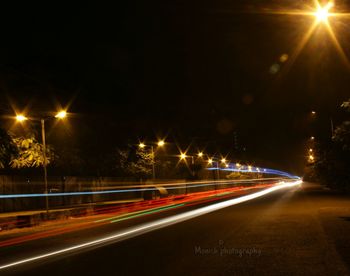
x,y
43,137
217,170
153,163
160,143
183,157
60,115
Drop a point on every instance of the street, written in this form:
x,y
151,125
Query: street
x,y
293,232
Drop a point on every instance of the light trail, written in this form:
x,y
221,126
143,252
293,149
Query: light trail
x,y
143,188
251,169
157,224
133,211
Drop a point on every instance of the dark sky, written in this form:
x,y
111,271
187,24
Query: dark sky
x,y
200,70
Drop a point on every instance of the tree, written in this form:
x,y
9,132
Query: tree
x,y
30,153
135,163
333,158
8,148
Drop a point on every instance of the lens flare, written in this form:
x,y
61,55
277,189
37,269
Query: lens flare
x,y
322,13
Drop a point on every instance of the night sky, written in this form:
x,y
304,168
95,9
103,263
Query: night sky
x,y
200,71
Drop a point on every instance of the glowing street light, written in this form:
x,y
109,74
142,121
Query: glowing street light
x,y
313,112
161,143
61,115
322,13
312,138
210,161
142,145
311,150
200,154
311,158
223,161
183,156
21,118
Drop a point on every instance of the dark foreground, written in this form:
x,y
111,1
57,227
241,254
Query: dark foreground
x,y
301,231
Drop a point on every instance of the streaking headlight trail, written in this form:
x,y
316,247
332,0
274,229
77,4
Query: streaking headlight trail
x,y
251,169
157,224
167,186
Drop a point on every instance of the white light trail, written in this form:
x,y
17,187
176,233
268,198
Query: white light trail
x,y
157,224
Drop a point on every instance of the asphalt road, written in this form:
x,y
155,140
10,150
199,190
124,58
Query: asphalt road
x,y
301,231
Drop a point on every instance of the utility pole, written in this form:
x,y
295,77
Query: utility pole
x,y
45,166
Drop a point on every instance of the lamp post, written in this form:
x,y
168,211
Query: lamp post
x,y
60,115
183,157
160,143
43,137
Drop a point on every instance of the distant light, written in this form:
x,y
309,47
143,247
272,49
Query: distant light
x,y
60,115
142,145
249,168
312,138
238,165
311,157
322,13
210,161
21,118
161,143
284,58
313,112
311,150
183,156
223,160
275,68
226,165
200,154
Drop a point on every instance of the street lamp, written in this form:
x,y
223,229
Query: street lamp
x,y
183,156
200,154
60,115
21,118
311,158
142,145
160,143
322,13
